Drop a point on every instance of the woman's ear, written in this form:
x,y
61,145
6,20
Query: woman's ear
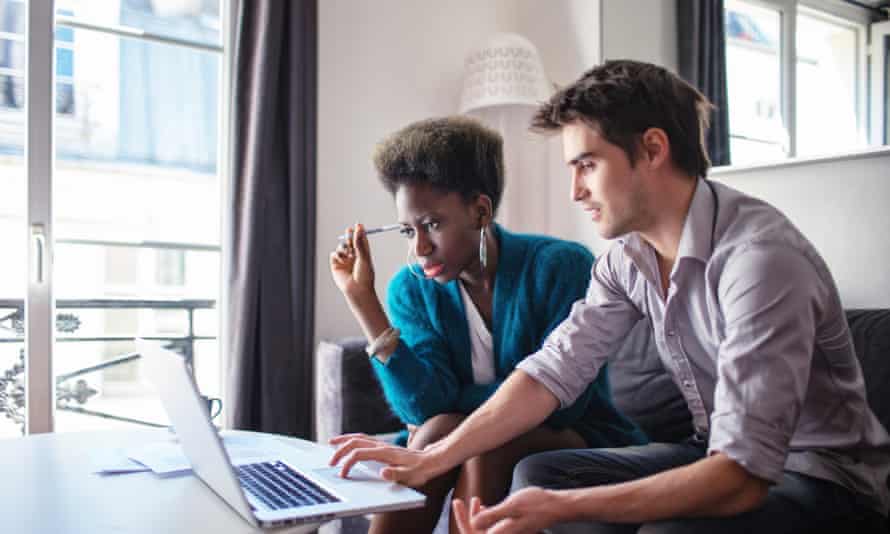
x,y
484,211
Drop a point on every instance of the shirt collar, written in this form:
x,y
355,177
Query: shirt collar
x,y
696,239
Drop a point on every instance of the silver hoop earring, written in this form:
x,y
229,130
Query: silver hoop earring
x,y
483,249
412,261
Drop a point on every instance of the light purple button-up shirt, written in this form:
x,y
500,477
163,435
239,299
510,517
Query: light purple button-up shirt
x,y
753,333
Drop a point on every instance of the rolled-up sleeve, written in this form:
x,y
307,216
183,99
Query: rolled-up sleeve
x,y
574,352
769,296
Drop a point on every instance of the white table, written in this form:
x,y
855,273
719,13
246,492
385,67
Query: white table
x,y
47,486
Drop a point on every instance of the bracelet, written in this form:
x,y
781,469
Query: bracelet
x,y
385,342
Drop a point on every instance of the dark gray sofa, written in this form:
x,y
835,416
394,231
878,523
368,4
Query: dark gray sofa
x,y
348,398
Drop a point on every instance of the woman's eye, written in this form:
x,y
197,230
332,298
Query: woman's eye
x,y
407,232
432,225
586,165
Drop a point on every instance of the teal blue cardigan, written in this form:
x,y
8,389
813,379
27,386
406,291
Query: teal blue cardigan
x,y
537,281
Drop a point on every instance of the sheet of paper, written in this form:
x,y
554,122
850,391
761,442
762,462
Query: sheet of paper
x,y
167,457
114,462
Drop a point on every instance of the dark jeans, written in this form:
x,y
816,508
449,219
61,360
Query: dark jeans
x,y
797,504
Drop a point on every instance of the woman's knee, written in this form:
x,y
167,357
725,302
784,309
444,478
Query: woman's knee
x,y
434,429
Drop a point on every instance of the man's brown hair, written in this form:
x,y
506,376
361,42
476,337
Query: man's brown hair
x,y
622,99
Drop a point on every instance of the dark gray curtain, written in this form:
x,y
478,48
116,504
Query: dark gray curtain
x,y
702,62
272,210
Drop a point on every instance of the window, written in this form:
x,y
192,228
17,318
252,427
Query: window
x,y
12,60
795,70
128,204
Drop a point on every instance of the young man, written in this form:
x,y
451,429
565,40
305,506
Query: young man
x,y
746,317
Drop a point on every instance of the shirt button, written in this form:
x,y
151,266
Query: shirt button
x,y
671,333
687,384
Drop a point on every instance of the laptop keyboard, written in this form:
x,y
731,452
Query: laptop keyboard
x,y
278,486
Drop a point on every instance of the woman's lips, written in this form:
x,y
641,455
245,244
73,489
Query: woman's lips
x,y
434,270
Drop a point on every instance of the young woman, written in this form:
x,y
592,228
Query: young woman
x,y
472,302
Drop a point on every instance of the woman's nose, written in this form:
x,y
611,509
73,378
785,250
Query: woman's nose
x,y
422,245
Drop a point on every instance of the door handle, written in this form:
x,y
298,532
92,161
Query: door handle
x,y
38,241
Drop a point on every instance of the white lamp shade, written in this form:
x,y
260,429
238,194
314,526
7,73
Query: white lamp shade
x,y
507,69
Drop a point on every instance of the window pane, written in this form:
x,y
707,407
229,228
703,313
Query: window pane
x,y
136,201
886,96
827,86
754,83
13,227
190,20
12,16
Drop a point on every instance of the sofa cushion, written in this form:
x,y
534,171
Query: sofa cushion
x,y
348,397
644,391
871,336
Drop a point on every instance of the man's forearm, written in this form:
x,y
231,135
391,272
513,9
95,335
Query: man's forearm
x,y
519,405
715,486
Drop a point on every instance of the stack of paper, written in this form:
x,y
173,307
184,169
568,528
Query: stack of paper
x,y
168,458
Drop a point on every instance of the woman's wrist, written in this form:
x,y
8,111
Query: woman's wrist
x,y
367,309
359,295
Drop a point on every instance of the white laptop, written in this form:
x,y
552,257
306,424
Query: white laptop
x,y
270,491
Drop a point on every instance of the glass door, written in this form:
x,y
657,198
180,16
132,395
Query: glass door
x,y
110,143
136,202
13,213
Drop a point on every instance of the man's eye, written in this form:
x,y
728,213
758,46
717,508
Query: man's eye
x,y
586,165
432,225
407,232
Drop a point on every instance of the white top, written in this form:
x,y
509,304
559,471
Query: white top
x,y
481,345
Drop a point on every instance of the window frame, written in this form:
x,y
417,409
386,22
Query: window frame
x,y
834,12
40,119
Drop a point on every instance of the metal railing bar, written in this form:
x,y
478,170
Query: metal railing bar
x,y
114,338
120,304
164,245
85,411
136,33
116,361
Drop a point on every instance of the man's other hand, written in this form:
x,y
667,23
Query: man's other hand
x,y
527,511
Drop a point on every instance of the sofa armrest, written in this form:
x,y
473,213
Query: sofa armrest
x,y
347,395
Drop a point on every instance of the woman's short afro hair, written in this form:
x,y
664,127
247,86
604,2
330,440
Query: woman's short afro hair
x,y
452,154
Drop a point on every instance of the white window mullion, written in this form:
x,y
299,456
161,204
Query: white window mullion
x,y
788,62
230,16
879,104
39,384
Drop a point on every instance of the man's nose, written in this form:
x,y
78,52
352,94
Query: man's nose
x,y
578,187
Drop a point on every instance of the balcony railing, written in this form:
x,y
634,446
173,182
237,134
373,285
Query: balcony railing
x,y
72,397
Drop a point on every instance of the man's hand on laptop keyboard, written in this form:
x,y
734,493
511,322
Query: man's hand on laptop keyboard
x,y
405,466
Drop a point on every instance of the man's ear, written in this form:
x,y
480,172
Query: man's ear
x,y
656,147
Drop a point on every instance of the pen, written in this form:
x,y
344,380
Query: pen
x,y
387,228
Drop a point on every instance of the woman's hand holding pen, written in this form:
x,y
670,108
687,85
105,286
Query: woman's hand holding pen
x,y
351,265
353,272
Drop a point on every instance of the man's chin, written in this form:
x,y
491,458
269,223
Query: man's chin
x,y
606,232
